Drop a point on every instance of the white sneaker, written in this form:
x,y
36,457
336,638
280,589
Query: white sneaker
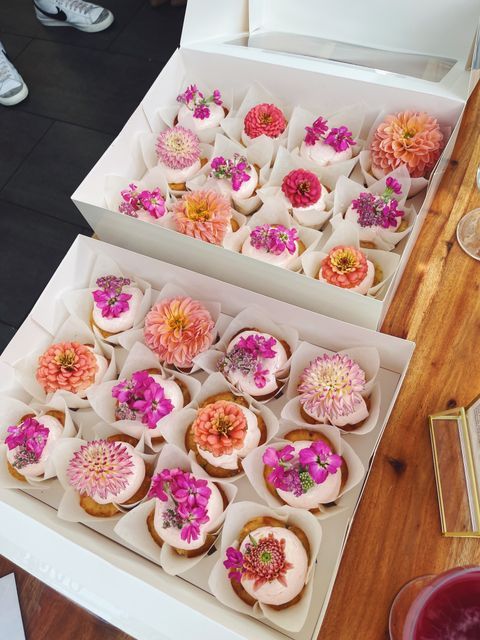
x,y
12,87
83,16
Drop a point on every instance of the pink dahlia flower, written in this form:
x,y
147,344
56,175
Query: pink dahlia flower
x,y
178,147
410,138
67,365
266,119
344,267
178,329
302,188
204,215
220,428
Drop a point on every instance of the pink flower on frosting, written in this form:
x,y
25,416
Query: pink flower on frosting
x,y
339,138
154,405
379,211
220,428
109,298
302,188
178,330
141,396
331,387
69,366
320,461
196,101
29,438
410,138
264,560
247,356
178,147
134,201
204,215
265,119
100,469
274,239
236,170
344,267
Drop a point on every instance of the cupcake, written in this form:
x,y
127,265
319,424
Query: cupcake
x,y
234,177
186,513
224,432
253,363
303,191
142,204
324,146
178,152
147,397
206,112
179,329
306,473
70,366
409,138
348,268
30,443
263,119
115,304
107,475
331,390
374,213
274,244
269,563
205,215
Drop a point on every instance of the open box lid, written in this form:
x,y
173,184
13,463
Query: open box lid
x,y
427,46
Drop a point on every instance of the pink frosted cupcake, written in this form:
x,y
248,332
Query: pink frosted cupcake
x,y
70,366
274,244
115,304
178,152
324,145
143,204
235,177
348,268
179,329
207,112
263,119
409,138
331,391
303,191
205,215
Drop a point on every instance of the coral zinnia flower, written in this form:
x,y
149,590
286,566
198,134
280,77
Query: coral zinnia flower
x,y
331,386
409,138
302,188
178,329
344,267
266,561
220,428
266,119
178,147
204,215
67,365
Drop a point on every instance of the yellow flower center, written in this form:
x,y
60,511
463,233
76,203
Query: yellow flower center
x,y
344,261
408,133
197,211
66,359
222,424
304,187
177,321
265,118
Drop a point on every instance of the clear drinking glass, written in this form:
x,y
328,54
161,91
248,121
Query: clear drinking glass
x,y
443,607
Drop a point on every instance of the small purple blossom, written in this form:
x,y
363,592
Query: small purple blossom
x,y
379,211
260,377
30,438
320,461
140,395
246,357
191,491
110,298
154,405
274,239
234,562
259,346
153,203
195,101
134,201
340,138
235,170
393,185
318,129
193,518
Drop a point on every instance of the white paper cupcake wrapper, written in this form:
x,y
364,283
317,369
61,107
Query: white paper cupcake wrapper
x,y
292,618
250,318
133,526
367,358
73,329
103,403
346,233
175,431
254,469
69,507
129,338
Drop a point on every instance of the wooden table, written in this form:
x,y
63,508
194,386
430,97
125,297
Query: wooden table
x,y
396,534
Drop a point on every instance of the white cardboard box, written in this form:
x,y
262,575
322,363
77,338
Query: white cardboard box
x,y
117,584
294,52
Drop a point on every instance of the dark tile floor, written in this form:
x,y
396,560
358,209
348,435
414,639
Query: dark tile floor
x,y
83,87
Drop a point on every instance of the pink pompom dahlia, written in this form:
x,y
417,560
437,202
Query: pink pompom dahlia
x,y
302,188
178,147
220,428
69,366
265,119
100,468
178,329
410,138
204,215
331,386
344,267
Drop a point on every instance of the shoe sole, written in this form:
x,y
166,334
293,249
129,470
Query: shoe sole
x,y
93,28
18,97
